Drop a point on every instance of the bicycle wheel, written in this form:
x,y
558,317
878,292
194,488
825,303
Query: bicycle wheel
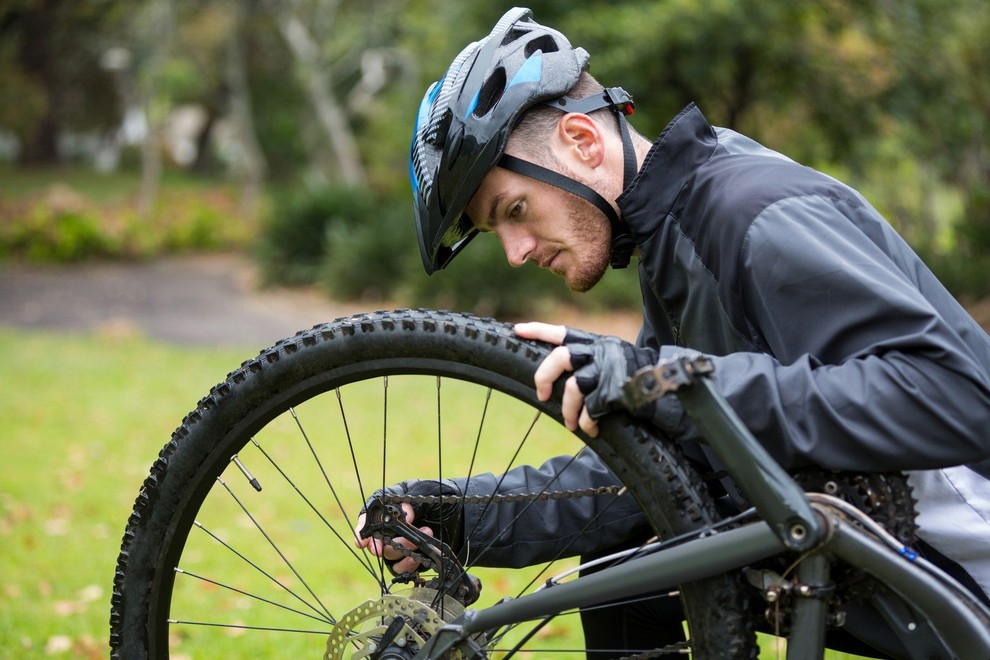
x,y
241,536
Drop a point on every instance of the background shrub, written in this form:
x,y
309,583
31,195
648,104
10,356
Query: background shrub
x,y
59,224
354,244
368,257
293,245
49,234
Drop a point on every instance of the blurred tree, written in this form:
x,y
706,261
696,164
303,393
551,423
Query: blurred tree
x,y
254,165
153,25
317,77
50,79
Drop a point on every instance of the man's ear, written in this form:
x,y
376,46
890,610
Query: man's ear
x,y
580,138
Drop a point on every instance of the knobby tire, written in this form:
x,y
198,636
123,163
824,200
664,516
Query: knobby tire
x,y
320,362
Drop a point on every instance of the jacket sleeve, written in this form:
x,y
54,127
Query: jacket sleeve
x,y
870,364
514,534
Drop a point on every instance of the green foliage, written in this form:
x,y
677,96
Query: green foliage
x,y
59,224
369,257
480,280
974,228
965,270
355,245
47,234
293,242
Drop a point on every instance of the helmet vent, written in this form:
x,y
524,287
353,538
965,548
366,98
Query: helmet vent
x,y
514,34
436,133
491,92
544,43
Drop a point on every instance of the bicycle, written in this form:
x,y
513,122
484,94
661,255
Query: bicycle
x,y
212,554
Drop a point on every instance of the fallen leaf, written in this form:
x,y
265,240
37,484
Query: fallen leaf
x,y
58,644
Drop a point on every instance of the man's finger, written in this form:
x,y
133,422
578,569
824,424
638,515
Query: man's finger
x,y
571,404
369,543
552,334
358,541
587,424
553,367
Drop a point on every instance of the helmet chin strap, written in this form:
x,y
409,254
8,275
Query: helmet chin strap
x,y
621,103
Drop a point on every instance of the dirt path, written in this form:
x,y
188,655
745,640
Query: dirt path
x,y
209,300
196,300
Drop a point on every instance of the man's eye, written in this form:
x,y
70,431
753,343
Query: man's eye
x,y
516,210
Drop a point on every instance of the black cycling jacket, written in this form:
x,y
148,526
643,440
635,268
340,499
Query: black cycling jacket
x,y
831,339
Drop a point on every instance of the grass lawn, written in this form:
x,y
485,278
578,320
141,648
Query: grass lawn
x,y
83,418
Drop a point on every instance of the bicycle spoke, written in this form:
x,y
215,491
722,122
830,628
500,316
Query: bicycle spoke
x,y
250,595
244,627
346,542
350,444
275,547
373,563
319,463
260,570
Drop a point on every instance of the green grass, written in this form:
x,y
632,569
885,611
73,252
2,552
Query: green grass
x,y
83,417
82,420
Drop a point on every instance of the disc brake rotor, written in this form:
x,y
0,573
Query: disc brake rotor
x,y
360,632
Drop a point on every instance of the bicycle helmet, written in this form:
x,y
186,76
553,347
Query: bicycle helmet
x,y
465,118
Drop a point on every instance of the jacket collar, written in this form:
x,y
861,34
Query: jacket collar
x,y
686,143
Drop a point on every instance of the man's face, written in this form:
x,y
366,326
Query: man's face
x,y
540,223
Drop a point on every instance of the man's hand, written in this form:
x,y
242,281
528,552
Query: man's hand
x,y
553,367
601,366
374,546
442,518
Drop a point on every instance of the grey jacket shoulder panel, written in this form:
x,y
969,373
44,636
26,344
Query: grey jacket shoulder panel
x,y
821,319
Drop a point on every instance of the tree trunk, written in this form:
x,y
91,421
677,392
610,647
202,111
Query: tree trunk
x,y
240,107
40,147
158,32
318,82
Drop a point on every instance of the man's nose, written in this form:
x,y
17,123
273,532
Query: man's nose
x,y
518,246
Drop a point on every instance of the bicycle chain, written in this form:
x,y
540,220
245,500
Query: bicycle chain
x,y
499,499
426,563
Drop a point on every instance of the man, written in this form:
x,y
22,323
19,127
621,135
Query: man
x,y
832,341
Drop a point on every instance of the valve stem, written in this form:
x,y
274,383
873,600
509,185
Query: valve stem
x,y
251,480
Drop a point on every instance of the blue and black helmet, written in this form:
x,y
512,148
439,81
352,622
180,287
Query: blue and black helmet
x,y
465,119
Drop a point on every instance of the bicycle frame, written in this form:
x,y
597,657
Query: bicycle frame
x,y
932,614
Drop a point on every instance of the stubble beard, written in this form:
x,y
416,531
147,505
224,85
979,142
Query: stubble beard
x,y
591,234
593,239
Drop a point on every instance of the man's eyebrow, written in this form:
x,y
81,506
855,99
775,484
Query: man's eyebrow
x,y
494,208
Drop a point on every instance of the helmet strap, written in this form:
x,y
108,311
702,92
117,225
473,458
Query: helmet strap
x,y
540,173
